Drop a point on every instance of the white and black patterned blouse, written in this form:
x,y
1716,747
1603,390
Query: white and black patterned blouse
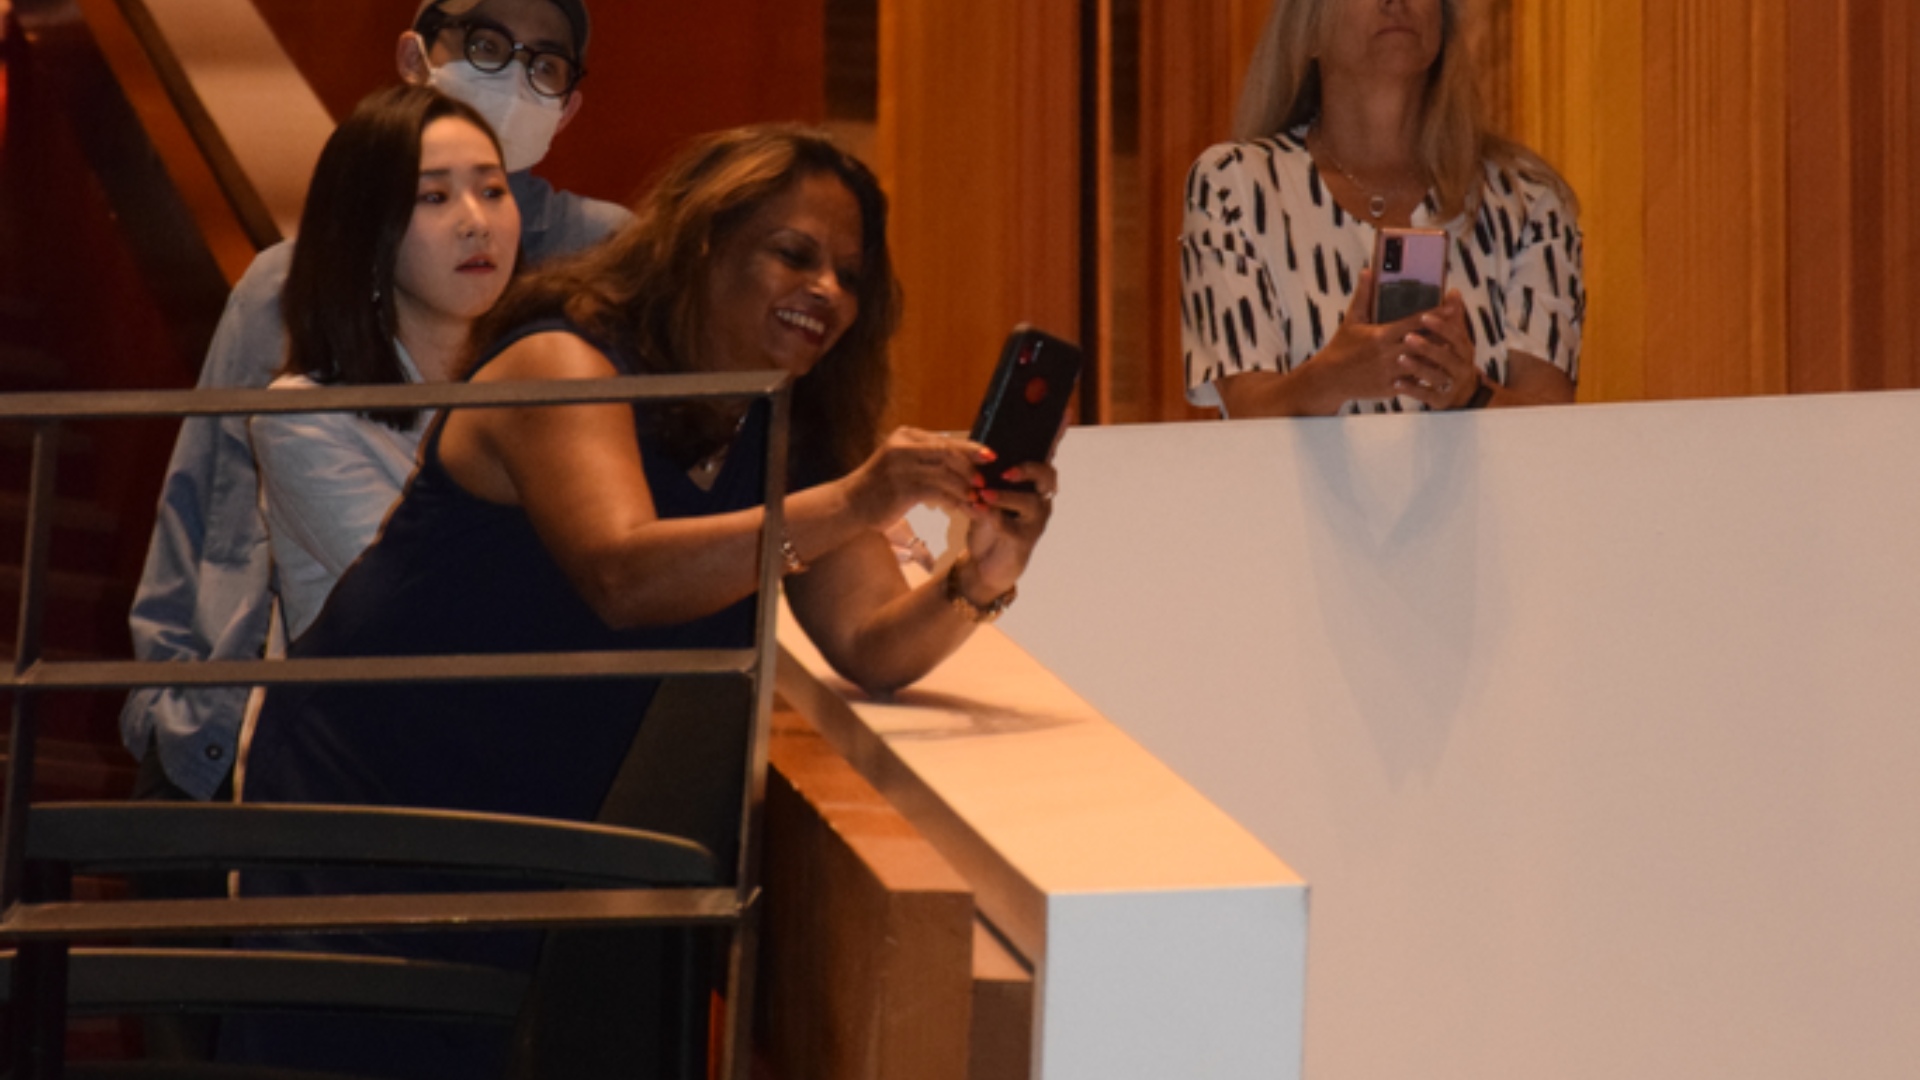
x,y
1269,261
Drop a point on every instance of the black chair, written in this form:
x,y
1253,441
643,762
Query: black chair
x,y
668,877
603,868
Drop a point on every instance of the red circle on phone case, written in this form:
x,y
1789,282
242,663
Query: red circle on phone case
x,y
1036,390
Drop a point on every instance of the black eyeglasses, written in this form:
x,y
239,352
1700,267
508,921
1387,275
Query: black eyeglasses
x,y
490,48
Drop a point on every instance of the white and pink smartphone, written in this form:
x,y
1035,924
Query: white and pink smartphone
x,y
1409,272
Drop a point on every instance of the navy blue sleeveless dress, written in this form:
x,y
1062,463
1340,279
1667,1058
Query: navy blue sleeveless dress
x,y
453,574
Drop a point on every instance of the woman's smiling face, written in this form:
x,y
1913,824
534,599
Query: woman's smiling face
x,y
785,285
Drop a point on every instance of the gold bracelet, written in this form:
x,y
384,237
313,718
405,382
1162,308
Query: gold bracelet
x,y
977,613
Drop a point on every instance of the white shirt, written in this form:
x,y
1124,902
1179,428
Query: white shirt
x,y
327,481
1269,261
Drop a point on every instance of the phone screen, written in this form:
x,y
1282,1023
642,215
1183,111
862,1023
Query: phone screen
x,y
1410,272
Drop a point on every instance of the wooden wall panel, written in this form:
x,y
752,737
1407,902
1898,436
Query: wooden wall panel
x,y
1820,133
1852,222
1001,1047
1193,56
867,960
1888,32
1751,218
343,47
1575,95
977,143
1716,79
1902,257
1097,229
658,73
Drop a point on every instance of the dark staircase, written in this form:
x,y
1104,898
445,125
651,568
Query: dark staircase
x,y
75,314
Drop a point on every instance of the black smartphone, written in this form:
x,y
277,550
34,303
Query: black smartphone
x,y
1409,272
1026,402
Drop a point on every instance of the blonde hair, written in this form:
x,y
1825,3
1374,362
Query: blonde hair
x,y
1282,92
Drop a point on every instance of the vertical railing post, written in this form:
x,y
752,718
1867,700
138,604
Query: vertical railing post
x,y
27,645
742,946
38,1014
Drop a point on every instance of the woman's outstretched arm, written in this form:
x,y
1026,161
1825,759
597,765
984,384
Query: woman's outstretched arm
x,y
577,471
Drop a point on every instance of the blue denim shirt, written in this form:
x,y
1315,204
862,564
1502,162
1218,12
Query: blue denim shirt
x,y
327,482
207,590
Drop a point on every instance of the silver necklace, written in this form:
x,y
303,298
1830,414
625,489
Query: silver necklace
x,y
1376,203
711,463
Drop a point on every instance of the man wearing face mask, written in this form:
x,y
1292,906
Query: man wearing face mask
x,y
206,590
519,64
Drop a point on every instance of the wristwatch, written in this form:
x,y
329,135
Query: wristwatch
x,y
976,612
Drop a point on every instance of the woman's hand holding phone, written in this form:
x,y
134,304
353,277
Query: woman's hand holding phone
x,y
1437,362
1007,523
913,467
1361,361
1425,354
1427,357
1410,272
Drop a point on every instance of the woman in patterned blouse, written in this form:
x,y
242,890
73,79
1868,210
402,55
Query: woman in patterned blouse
x,y
1358,115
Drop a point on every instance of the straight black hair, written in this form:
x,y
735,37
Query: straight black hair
x,y
338,301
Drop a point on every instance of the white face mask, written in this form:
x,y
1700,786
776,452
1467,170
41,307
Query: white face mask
x,y
523,120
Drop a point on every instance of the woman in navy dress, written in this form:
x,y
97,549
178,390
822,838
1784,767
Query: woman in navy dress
x,y
587,527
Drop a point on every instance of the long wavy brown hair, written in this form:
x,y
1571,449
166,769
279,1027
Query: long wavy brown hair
x,y
1282,92
641,291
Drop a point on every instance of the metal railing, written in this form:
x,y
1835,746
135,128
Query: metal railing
x,y
40,926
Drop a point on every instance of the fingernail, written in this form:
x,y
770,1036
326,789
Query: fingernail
x,y
1012,474
988,455
990,497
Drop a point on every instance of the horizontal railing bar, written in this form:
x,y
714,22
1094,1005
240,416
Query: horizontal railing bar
x,y
118,837
77,920
108,404
119,980
318,671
